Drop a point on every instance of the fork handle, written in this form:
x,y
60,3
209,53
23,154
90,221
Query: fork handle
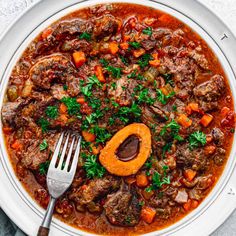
x,y
44,228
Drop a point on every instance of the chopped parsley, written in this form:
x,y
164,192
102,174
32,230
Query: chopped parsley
x,y
91,119
92,167
52,112
43,146
104,62
135,45
92,81
73,106
174,128
162,98
166,148
148,31
144,97
197,139
168,79
43,167
232,130
102,135
174,108
124,60
115,71
44,124
144,61
85,36
113,85
65,87
158,181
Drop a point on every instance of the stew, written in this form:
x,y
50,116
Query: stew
x,y
151,101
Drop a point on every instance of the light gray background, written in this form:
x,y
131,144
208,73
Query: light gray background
x,y
225,9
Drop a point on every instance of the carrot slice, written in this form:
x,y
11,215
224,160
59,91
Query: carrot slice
x,y
113,47
139,52
89,137
99,74
17,145
124,46
148,214
80,100
206,120
189,174
192,107
63,108
141,180
184,121
79,58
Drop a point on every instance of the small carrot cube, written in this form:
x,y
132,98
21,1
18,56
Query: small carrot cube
x,y
17,145
124,46
155,62
148,214
141,180
47,32
89,137
209,150
139,52
99,74
189,174
184,121
206,120
63,108
113,47
224,111
187,205
79,58
96,149
192,107
80,100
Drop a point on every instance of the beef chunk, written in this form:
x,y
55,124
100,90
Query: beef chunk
x,y
194,159
32,157
200,59
123,91
122,208
182,196
50,69
219,156
58,92
11,109
106,25
218,136
95,190
148,44
210,90
76,44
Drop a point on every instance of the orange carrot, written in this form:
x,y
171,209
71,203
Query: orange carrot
x,y
192,107
187,205
7,130
80,100
164,91
184,121
17,145
147,195
89,137
63,118
148,214
206,120
46,33
130,179
113,46
96,149
126,37
155,62
209,150
124,46
79,58
189,174
63,108
99,74
139,52
224,111
195,203
141,180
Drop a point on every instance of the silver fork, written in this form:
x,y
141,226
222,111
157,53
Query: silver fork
x,y
60,176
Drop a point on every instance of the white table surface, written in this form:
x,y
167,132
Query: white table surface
x,y
225,9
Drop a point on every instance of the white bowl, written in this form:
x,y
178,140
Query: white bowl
x,y
17,203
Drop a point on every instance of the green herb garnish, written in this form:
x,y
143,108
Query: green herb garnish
x,y
144,61
148,31
52,112
104,62
115,71
162,98
197,139
92,167
135,45
85,36
44,124
43,167
73,106
43,146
